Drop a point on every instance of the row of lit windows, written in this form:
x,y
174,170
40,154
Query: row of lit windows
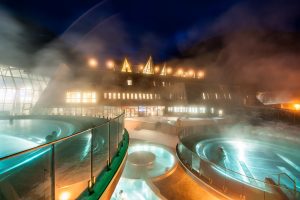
x,y
215,96
134,96
163,83
81,97
194,109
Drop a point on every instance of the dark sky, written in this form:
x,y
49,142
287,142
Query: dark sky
x,y
156,26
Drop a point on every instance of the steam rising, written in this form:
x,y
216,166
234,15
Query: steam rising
x,y
249,50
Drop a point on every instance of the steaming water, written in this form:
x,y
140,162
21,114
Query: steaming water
x,y
254,160
23,134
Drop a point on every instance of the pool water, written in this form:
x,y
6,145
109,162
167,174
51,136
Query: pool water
x,y
20,135
253,160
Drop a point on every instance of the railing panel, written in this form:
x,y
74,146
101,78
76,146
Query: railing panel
x,y
100,148
73,165
113,124
26,176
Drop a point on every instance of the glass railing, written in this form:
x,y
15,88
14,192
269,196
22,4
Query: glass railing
x,y
65,168
232,184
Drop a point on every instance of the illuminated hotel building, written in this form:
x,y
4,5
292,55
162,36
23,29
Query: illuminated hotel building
x,y
147,91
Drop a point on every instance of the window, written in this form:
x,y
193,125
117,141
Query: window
x,y
89,97
73,97
105,95
129,82
124,96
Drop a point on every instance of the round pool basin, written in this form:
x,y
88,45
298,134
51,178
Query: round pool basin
x,y
251,161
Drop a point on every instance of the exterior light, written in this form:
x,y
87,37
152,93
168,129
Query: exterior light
x,y
92,62
141,67
191,73
156,69
110,64
169,70
297,106
64,196
201,74
180,72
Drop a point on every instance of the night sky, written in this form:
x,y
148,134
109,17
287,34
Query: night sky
x,y
159,27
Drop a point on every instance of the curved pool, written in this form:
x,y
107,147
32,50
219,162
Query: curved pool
x,y
21,134
251,160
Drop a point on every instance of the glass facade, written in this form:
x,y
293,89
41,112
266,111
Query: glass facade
x,y
19,90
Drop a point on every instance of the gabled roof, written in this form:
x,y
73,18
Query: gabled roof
x,y
126,66
164,70
148,69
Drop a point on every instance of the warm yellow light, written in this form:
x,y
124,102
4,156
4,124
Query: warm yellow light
x,y
180,72
110,64
201,74
297,106
169,70
92,62
156,69
141,67
191,72
65,196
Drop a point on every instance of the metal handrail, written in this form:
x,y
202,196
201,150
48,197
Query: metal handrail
x,y
56,141
294,181
227,169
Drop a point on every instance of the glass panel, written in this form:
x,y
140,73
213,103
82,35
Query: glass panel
x,y
100,149
26,176
113,138
19,82
72,164
196,162
9,82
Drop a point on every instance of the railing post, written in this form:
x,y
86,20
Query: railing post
x,y
118,132
53,172
92,179
109,161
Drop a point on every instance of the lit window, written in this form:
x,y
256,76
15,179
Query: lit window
x,y
73,97
131,95
119,96
105,95
89,97
150,96
140,95
109,95
128,97
155,96
144,96
163,84
147,96
124,96
216,95
129,82
114,95
136,96
229,95
203,95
